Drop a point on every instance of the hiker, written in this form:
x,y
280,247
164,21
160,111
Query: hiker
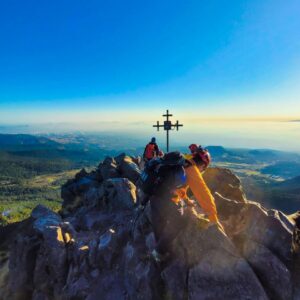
x,y
151,150
168,185
193,148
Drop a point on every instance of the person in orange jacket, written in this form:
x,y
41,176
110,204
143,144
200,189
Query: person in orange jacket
x,y
151,150
167,214
198,161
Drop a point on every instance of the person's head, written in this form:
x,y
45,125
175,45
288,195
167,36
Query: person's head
x,y
193,147
153,140
202,158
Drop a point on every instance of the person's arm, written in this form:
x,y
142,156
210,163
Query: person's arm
x,y
145,151
156,149
201,192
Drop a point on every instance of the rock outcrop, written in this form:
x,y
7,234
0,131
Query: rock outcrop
x,y
99,246
223,181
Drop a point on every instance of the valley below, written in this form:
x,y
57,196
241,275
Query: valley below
x,y
33,169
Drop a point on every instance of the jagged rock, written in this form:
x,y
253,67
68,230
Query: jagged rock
x,y
295,219
37,295
108,247
214,263
175,277
128,168
95,220
94,196
142,276
4,271
81,174
108,168
22,267
224,182
73,191
250,221
38,261
51,263
295,269
141,226
101,248
118,159
198,238
119,193
44,218
110,286
8,236
220,275
272,273
137,160
77,289
96,175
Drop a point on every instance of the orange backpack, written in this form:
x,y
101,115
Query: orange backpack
x,y
150,151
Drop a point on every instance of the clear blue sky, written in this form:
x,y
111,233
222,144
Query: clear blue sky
x,y
81,60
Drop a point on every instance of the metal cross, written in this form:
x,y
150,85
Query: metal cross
x,y
168,126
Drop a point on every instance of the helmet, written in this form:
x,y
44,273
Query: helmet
x,y
153,140
193,147
202,157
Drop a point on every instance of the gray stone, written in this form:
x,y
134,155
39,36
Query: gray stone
x,y
272,273
220,275
119,194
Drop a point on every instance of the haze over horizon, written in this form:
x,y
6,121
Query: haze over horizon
x,y
228,70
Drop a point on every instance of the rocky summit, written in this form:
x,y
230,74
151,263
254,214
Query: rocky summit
x,y
99,245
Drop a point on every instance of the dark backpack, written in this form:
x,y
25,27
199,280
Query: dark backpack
x,y
165,174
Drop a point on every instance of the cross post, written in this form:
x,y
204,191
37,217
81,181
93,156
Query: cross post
x,y
167,126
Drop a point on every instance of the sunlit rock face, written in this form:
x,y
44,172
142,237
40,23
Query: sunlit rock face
x,y
99,246
223,181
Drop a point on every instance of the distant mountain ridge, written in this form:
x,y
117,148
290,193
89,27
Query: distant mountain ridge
x,y
15,141
25,155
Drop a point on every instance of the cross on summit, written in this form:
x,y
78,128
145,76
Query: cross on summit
x,y
167,126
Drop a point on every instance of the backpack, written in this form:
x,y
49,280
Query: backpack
x,y
150,150
165,174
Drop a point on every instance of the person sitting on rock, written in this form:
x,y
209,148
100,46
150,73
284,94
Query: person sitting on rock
x,y
166,202
151,150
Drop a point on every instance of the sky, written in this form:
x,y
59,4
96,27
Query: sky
x,y
127,61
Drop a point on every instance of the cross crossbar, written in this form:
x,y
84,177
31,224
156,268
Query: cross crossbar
x,y
167,126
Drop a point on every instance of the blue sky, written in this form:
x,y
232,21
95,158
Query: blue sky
x,y
81,61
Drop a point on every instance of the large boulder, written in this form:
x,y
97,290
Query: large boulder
x,y
272,273
220,275
119,193
128,168
175,278
142,275
250,221
22,261
38,260
216,269
224,182
108,168
73,190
